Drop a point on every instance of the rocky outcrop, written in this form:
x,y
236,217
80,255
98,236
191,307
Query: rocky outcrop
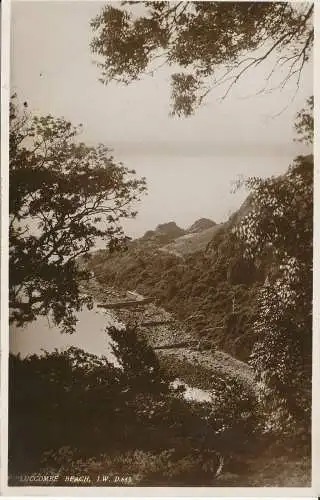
x,y
201,225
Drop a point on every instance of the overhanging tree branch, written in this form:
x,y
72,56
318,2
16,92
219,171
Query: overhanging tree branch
x,y
202,38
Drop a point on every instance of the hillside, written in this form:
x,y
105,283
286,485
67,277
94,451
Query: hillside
x,y
191,243
201,278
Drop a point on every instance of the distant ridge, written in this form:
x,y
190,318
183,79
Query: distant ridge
x,y
201,225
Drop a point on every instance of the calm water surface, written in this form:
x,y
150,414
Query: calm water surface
x,y
41,335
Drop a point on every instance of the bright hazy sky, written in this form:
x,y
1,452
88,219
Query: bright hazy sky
x,y
189,163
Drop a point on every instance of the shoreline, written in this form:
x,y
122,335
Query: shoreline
x,y
174,346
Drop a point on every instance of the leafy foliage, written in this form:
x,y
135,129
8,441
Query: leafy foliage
x,y
76,405
59,396
281,224
305,123
213,43
64,196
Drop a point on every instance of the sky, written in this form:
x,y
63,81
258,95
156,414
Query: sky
x,y
189,163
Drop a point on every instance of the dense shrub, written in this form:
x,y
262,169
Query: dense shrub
x,y
79,402
280,225
136,467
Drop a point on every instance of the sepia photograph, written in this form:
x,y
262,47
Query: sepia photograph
x,y
160,244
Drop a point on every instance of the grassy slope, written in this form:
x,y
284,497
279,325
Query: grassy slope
x,y
190,243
